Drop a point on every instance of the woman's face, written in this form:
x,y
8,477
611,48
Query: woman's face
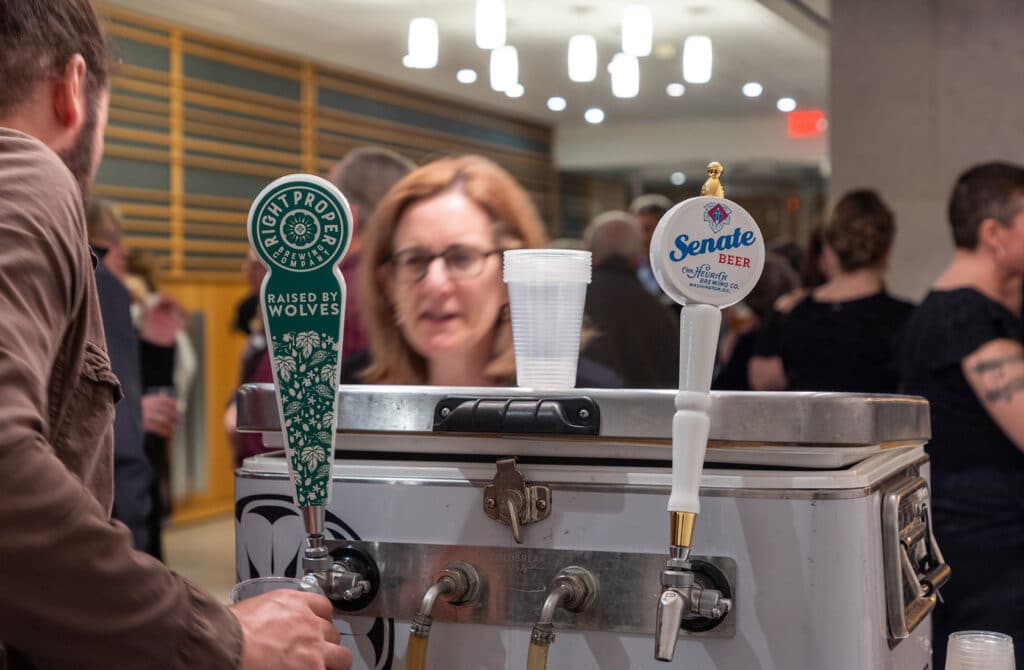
x,y
449,310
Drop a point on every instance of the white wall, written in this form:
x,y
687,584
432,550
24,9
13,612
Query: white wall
x,y
921,90
683,141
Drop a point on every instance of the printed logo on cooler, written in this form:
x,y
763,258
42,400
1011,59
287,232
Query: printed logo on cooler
x,y
693,266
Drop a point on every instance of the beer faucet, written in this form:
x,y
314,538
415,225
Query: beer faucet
x,y
300,227
706,254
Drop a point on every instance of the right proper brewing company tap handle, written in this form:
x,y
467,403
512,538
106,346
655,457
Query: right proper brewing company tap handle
x,y
706,254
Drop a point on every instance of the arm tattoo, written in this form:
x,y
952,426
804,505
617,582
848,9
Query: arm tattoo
x,y
1001,378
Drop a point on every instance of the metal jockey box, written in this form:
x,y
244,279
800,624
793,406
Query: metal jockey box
x,y
814,521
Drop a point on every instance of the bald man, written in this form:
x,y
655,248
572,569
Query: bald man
x,y
637,336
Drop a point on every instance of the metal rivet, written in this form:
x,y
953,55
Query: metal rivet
x,y
490,503
445,411
584,413
542,504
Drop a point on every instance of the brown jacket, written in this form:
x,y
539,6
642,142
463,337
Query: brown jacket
x,y
73,592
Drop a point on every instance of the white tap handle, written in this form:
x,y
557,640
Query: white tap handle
x,y
706,253
698,339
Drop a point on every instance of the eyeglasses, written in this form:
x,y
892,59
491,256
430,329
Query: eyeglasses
x,y
460,261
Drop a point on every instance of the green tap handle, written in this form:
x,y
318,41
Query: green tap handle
x,y
300,227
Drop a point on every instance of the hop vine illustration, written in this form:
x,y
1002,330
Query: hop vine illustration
x,y
305,367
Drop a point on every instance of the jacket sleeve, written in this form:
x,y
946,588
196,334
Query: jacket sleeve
x,y
73,593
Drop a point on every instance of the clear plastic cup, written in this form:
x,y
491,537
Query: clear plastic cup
x,y
547,289
979,650
257,586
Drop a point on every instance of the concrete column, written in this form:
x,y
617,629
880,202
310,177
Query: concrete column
x,y
920,90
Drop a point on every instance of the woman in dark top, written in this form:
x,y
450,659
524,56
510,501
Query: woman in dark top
x,y
840,336
962,351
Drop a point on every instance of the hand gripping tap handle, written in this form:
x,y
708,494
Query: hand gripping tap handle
x,y
706,253
300,227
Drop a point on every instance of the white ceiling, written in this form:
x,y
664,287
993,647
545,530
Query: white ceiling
x,y
783,44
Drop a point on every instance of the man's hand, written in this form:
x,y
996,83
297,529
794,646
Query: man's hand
x,y
289,630
159,414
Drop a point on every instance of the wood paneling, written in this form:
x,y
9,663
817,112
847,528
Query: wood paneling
x,y
198,122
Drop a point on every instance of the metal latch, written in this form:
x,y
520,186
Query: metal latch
x,y
914,565
510,501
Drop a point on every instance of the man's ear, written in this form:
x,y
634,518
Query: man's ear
x,y
69,94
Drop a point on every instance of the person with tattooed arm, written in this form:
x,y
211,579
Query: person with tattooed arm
x,y
962,350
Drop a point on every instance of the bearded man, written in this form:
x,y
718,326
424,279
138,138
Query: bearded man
x,y
73,592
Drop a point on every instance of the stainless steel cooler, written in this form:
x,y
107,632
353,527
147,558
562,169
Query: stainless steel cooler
x,y
814,512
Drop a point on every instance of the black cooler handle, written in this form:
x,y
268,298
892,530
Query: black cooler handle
x,y
539,416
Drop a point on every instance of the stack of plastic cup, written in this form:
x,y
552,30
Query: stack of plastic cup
x,y
979,650
257,586
547,289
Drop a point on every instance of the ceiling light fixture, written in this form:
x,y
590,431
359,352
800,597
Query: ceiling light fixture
x,y
785,104
637,30
752,89
697,59
625,71
677,179
556,103
423,44
490,23
515,91
504,68
465,76
594,115
582,58
675,89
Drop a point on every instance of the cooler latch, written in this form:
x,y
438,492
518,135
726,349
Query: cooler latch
x,y
509,500
914,565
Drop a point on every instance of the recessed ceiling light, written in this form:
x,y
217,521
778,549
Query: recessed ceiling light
x,y
515,91
675,89
466,76
678,178
752,89
556,103
785,104
594,115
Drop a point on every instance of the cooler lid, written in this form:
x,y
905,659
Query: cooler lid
x,y
737,417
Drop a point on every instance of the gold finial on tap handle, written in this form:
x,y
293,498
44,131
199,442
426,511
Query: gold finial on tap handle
x,y
713,186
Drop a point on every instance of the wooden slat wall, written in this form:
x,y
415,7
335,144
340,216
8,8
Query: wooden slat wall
x,y
199,124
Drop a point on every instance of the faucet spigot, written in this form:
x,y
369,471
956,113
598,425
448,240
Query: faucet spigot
x,y
668,621
348,579
684,598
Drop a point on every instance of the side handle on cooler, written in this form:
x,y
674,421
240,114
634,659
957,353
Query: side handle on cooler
x,y
914,566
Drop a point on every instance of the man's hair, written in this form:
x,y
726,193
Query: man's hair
x,y
614,233
986,191
37,39
365,174
650,203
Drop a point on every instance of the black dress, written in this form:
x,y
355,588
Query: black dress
x,y
838,346
977,472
